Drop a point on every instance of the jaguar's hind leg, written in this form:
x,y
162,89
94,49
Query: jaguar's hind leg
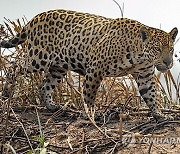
x,y
52,79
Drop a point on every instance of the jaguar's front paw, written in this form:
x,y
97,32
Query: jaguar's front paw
x,y
160,117
52,107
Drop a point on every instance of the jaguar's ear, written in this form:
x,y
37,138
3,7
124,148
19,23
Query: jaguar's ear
x,y
144,33
173,33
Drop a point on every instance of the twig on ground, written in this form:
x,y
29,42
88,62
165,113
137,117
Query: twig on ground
x,y
7,118
82,143
30,145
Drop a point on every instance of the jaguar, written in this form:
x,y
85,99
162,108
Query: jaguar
x,y
95,47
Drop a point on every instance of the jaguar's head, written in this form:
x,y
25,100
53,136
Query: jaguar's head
x,y
158,46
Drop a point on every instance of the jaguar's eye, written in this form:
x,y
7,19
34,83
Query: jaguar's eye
x,y
157,49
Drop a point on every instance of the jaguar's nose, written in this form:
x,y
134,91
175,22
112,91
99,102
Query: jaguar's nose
x,y
167,61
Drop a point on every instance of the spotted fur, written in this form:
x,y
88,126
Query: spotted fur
x,y
95,47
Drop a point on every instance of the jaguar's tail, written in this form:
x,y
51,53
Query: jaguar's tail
x,y
18,39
